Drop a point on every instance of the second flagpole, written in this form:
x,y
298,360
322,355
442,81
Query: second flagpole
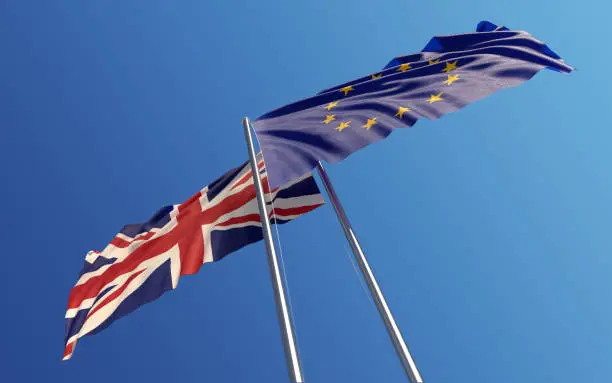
x,y
394,332
287,331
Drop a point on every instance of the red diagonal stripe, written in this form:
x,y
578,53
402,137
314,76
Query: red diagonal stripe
x,y
248,176
122,243
68,350
241,219
114,295
294,210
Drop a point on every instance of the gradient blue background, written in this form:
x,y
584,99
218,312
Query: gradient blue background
x,y
489,229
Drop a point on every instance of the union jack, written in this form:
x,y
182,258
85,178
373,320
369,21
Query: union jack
x,y
144,260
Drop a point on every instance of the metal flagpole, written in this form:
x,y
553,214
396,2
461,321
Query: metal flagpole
x,y
394,332
287,332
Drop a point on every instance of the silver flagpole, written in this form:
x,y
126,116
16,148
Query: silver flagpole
x,y
287,332
394,332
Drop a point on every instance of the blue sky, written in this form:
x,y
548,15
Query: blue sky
x,y
489,229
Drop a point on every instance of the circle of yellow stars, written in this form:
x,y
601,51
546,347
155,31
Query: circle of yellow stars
x,y
449,66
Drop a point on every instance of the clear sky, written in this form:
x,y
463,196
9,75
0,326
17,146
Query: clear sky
x,y
489,229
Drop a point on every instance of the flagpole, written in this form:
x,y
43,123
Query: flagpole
x,y
287,332
394,331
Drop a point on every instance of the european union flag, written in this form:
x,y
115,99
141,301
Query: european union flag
x,y
449,73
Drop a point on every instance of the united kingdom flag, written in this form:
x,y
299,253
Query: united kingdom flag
x,y
145,260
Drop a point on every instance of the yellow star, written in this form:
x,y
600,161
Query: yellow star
x,y
376,76
404,67
451,79
343,125
346,89
401,111
435,97
431,62
329,118
450,66
331,105
370,122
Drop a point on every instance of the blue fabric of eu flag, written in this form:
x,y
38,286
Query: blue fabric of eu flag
x,y
449,73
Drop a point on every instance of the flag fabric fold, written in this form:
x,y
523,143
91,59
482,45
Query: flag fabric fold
x,y
145,260
449,73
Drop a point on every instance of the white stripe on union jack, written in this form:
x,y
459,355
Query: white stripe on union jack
x,y
147,259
